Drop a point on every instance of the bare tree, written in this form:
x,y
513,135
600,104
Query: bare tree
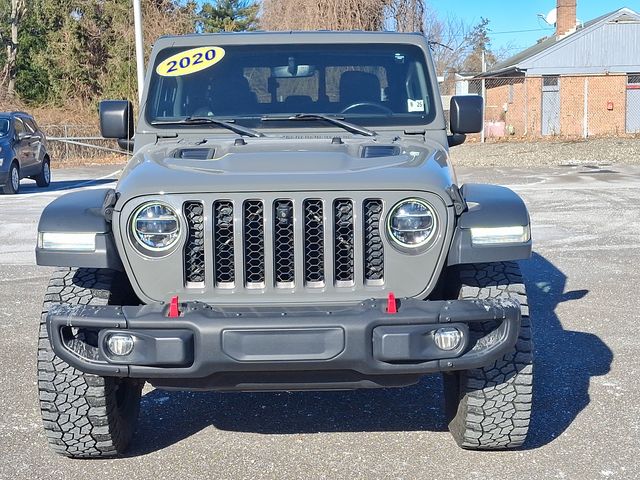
x,y
324,14
18,9
406,15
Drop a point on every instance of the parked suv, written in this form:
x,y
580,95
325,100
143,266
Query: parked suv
x,y
290,220
23,152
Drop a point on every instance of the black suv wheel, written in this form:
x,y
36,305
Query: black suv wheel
x,y
13,180
43,179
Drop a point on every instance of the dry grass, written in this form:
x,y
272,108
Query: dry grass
x,y
73,113
88,162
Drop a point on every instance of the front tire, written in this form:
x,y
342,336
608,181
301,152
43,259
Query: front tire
x,y
43,179
489,408
84,415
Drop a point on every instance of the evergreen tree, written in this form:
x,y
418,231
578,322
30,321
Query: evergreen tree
x,y
229,16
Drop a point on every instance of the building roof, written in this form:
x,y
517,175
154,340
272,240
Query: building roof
x,y
531,57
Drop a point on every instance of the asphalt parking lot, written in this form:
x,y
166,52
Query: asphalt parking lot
x,y
582,283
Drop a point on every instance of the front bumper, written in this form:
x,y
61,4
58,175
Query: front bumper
x,y
281,347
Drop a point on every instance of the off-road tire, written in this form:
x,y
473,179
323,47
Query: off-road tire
x,y
84,415
489,408
43,179
9,188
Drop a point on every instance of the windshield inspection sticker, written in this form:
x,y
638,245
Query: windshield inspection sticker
x,y
415,105
190,61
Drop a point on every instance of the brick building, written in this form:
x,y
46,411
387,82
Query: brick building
x,y
582,81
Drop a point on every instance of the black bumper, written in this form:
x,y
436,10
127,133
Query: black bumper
x,y
306,346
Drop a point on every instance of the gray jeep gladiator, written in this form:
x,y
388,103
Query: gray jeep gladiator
x,y
289,220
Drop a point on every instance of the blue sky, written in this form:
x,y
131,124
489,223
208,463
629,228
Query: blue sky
x,y
518,15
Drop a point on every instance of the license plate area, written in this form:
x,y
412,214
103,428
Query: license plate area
x,y
283,344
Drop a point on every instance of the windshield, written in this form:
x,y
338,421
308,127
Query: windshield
x,y
4,127
367,84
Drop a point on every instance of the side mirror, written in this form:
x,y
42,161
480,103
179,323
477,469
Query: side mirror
x,y
116,119
467,114
456,139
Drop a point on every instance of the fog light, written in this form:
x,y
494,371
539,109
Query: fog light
x,y
120,344
447,338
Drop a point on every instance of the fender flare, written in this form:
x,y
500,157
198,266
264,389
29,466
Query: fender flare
x,y
488,206
85,211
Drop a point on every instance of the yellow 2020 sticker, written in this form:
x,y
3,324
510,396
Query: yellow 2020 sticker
x,y
190,61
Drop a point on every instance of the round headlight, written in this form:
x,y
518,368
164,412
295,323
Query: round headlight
x,y
411,223
156,226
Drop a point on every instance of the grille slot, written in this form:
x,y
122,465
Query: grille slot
x,y
194,266
253,221
313,242
373,246
343,242
223,244
283,245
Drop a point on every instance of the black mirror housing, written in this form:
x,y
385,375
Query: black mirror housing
x,y
467,114
456,139
116,119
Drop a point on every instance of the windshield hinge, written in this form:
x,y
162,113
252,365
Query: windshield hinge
x,y
459,204
109,203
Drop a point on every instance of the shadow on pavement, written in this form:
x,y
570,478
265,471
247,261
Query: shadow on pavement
x,y
565,361
61,185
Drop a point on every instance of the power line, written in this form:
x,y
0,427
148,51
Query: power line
x,y
521,31
490,32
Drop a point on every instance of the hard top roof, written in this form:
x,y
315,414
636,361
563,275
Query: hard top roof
x,y
293,37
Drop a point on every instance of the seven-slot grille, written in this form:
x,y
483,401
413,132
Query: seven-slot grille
x,y
256,243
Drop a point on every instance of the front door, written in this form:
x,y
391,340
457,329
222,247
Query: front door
x,y
551,105
633,104
23,148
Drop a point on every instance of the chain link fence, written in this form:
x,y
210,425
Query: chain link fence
x,y
578,106
80,143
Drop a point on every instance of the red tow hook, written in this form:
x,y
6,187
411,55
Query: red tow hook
x,y
392,305
174,312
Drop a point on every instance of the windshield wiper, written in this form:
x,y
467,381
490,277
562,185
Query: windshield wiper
x,y
337,121
193,120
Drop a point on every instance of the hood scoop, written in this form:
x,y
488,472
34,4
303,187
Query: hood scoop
x,y
375,151
194,153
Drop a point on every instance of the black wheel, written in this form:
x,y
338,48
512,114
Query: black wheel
x,y
489,408
84,415
13,180
43,179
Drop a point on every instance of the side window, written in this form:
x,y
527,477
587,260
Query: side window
x,y
416,89
258,78
166,102
31,125
18,126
